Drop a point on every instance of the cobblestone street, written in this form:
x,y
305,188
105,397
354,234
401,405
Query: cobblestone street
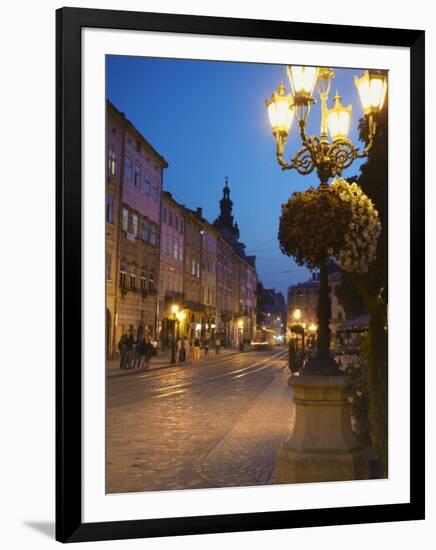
x,y
218,423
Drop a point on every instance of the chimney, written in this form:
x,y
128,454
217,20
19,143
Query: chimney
x,y
199,212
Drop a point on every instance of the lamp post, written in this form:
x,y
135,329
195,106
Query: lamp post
x,y
241,335
328,156
322,445
312,331
297,318
177,317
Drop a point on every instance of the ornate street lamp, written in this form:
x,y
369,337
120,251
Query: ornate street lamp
x,y
330,157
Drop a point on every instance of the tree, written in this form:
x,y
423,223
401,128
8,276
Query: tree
x,y
363,291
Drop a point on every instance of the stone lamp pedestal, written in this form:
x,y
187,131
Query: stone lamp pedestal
x,y
322,446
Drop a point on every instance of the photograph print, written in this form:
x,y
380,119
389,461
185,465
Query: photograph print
x,y
246,274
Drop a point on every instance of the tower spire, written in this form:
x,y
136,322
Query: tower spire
x,y
224,221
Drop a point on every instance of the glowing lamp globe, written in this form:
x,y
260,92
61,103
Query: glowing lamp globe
x,y
372,87
338,119
303,80
280,111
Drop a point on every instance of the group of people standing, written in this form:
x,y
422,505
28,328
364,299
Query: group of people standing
x,y
188,349
136,353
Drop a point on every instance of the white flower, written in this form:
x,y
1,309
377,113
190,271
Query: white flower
x,y
364,228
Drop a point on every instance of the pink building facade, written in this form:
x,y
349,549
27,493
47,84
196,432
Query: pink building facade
x,y
171,279
140,174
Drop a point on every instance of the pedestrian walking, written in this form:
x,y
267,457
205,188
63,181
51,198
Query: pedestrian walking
x,y
122,348
145,354
197,350
182,352
217,345
187,347
155,345
130,353
206,348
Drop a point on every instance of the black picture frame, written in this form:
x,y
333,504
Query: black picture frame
x,y
69,525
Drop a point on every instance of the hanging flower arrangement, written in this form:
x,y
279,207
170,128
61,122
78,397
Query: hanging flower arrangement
x,y
312,223
339,223
359,250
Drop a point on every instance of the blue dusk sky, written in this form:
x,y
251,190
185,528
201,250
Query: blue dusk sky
x,y
208,119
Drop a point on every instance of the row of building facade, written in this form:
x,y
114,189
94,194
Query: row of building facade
x,y
303,298
161,256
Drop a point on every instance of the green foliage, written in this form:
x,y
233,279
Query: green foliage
x,y
357,289
360,401
297,329
377,380
292,356
349,296
374,182
312,225
295,358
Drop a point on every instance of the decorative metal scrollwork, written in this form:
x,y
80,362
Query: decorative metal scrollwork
x,y
342,154
330,159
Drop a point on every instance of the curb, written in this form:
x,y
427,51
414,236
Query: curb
x,y
129,372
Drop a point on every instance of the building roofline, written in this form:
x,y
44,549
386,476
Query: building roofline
x,y
130,126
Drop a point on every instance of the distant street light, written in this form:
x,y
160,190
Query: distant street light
x,y
175,310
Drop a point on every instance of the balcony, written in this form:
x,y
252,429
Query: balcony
x,y
194,306
174,297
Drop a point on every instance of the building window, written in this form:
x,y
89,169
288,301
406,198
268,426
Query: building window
x,y
147,184
169,246
110,208
135,225
176,222
137,177
180,253
198,269
193,267
182,228
128,168
143,280
108,266
132,278
153,235
151,281
125,219
146,231
112,161
170,217
176,250
123,274
155,193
